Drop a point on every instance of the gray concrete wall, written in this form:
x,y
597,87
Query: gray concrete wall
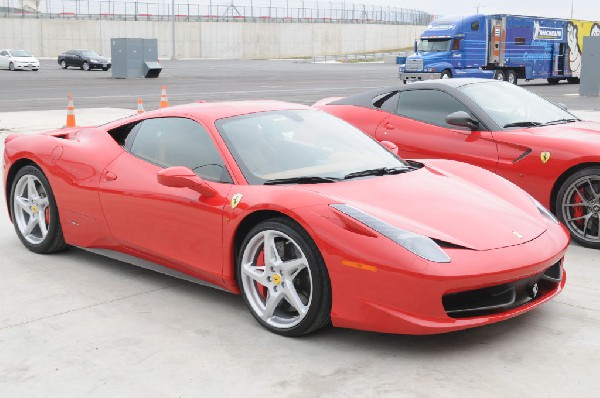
x,y
235,40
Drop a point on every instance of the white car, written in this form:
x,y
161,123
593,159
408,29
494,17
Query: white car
x,y
18,59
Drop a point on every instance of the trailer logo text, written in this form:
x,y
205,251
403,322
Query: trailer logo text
x,y
546,33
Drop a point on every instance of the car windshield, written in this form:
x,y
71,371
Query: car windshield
x,y
89,54
434,45
511,106
20,53
302,146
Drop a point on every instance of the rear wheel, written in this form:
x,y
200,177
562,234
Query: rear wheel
x,y
11,66
283,278
578,206
511,76
85,66
552,80
63,64
446,74
34,212
499,75
573,80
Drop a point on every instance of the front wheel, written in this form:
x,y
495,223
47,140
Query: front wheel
x,y
446,74
578,206
283,278
34,212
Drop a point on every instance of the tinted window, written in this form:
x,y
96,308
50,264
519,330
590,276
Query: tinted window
x,y
4,53
456,44
429,106
171,142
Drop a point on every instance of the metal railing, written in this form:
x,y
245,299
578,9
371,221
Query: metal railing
x,y
215,10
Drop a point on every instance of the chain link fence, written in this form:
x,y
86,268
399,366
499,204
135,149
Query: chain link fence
x,y
216,10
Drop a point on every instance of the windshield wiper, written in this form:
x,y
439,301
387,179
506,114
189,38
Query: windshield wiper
x,y
561,121
522,124
300,180
379,172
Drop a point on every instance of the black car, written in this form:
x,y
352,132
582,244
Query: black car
x,y
84,59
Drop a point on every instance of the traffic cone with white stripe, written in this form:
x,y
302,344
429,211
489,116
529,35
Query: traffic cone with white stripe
x,y
164,101
70,113
140,106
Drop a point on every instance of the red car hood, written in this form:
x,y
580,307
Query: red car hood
x,y
441,207
588,132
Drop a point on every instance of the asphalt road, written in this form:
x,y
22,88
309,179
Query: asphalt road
x,y
218,80
76,324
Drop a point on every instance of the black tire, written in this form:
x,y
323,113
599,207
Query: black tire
x,y
105,69
35,70
85,66
319,303
511,77
11,66
63,64
54,240
500,75
573,80
587,184
552,80
446,74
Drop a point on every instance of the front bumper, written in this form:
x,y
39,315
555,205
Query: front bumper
x,y
26,66
416,76
99,65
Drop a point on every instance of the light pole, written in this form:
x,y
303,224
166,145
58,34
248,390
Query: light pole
x,y
173,27
477,8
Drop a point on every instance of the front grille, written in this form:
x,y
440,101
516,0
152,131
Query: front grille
x,y
499,298
414,64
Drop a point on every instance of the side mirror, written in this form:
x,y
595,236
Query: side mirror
x,y
462,119
562,106
390,146
183,177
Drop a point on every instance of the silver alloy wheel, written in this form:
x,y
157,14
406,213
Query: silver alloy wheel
x,y
31,209
511,77
85,66
276,279
11,66
499,75
581,208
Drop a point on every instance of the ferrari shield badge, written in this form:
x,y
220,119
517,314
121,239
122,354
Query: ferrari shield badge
x,y
545,156
236,199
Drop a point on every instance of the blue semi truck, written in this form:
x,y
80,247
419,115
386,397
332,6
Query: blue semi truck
x,y
503,47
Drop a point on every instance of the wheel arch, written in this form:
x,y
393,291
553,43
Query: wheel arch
x,y
563,177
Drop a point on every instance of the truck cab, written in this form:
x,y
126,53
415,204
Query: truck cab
x,y
453,46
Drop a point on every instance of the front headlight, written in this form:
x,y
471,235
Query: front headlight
x,y
543,211
419,245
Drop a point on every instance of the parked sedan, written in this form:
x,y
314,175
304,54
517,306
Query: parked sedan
x,y
84,59
506,129
310,220
18,59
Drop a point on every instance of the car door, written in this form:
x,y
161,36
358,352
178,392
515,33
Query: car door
x,y
419,128
176,225
3,59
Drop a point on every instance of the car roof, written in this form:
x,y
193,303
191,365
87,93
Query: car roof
x,y
365,99
209,112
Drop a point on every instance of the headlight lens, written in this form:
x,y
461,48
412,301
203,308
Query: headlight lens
x,y
419,245
544,212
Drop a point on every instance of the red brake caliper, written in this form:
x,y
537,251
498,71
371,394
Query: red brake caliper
x,y
578,210
260,262
47,215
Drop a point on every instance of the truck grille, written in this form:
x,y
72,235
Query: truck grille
x,y
414,65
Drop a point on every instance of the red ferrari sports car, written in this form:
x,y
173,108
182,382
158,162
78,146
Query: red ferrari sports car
x,y
495,125
308,218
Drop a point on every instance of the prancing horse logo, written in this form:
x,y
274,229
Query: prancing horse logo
x,y
545,156
236,199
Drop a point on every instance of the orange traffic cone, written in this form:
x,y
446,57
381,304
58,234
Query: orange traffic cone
x,y
140,106
164,101
70,113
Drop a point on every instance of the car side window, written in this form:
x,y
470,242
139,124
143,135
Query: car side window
x,y
4,53
174,141
429,106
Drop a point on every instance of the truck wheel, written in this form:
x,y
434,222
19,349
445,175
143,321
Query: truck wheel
x,y
511,77
552,80
573,80
446,74
499,75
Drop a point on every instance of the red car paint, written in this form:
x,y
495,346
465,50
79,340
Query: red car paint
x,y
110,199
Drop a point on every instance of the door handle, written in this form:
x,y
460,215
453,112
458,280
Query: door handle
x,y
389,126
110,176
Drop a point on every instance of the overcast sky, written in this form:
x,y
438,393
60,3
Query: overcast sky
x,y
582,9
